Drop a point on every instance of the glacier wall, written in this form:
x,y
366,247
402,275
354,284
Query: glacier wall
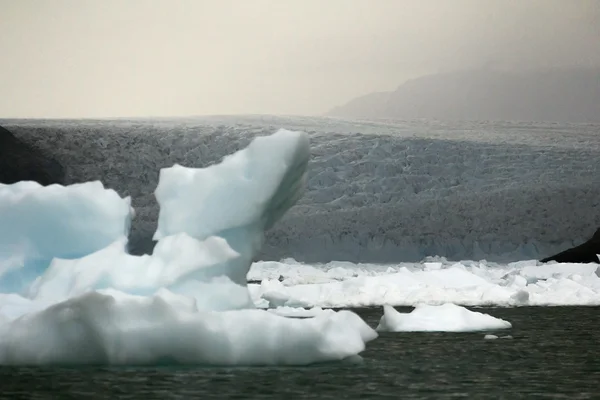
x,y
376,191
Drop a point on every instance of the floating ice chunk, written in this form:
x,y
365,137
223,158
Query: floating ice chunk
x,y
39,223
118,329
445,318
237,199
493,337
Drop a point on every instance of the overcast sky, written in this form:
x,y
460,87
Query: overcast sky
x,y
103,58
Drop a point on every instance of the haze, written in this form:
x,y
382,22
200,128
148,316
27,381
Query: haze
x,y
112,58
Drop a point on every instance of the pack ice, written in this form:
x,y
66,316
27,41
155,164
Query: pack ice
x,y
71,294
434,281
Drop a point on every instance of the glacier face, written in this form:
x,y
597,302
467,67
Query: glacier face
x,y
382,191
188,301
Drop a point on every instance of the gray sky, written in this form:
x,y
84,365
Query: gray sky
x,y
103,58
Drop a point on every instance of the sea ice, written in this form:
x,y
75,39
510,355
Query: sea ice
x,y
471,283
445,318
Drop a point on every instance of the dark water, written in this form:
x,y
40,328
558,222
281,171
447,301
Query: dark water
x,y
554,353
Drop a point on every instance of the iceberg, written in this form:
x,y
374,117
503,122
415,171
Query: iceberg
x,y
78,297
444,318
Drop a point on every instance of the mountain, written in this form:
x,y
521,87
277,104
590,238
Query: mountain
x,y
567,95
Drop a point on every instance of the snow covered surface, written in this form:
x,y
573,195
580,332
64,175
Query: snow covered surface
x,y
434,281
185,303
377,192
443,318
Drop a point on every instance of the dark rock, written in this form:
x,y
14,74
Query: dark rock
x,y
20,161
584,253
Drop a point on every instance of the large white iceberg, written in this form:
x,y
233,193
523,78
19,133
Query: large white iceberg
x,y
87,301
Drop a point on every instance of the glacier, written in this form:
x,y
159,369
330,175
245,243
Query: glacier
x,y
376,191
78,296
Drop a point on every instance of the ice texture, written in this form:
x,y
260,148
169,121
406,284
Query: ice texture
x,y
179,263
435,281
377,191
122,329
38,223
237,199
443,318
188,301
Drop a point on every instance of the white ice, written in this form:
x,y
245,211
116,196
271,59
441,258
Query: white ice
x,y
444,318
377,191
494,337
117,328
237,199
39,223
434,281
300,312
188,301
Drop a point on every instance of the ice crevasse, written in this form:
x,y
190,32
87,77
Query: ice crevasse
x,y
71,294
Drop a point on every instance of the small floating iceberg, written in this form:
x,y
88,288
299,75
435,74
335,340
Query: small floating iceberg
x,y
444,318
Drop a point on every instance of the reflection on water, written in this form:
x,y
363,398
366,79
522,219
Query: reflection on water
x,y
554,351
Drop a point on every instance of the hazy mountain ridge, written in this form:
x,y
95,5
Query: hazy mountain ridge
x,y
570,95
